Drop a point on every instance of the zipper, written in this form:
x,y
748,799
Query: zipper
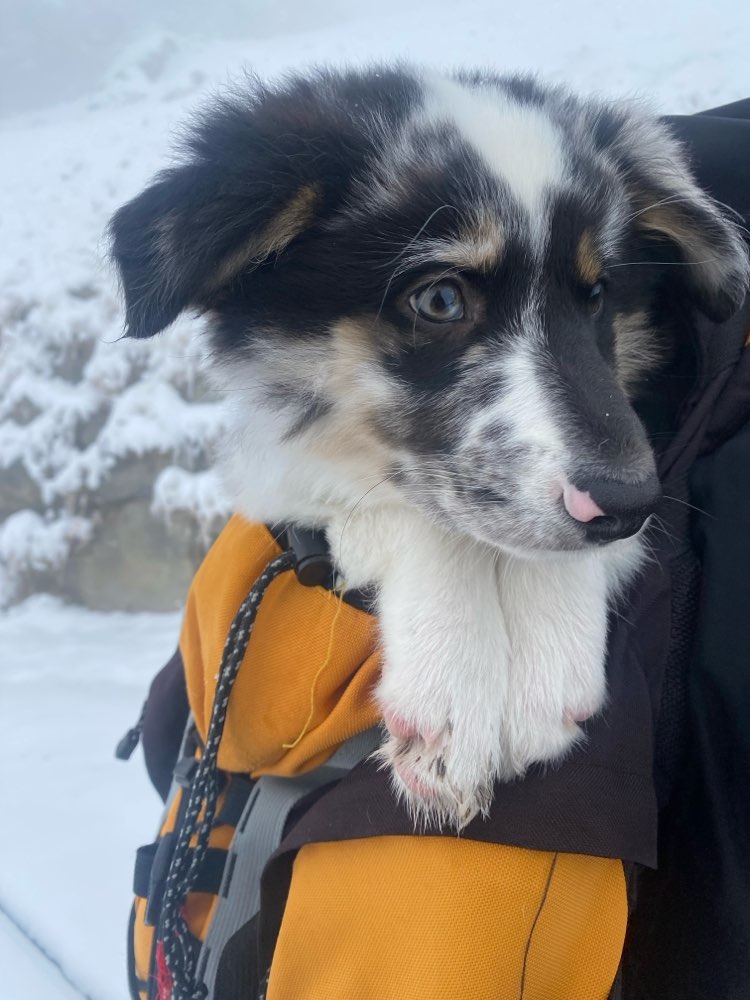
x,y
126,747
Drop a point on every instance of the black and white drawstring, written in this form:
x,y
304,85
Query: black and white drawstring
x,y
173,933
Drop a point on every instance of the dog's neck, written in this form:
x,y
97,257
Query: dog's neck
x,y
311,479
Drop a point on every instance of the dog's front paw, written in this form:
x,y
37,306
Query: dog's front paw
x,y
444,773
552,688
444,681
538,731
557,626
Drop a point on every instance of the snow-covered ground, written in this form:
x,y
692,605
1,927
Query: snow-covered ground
x,y
72,681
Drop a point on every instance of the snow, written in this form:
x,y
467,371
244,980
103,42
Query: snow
x,y
72,681
28,539
33,975
176,490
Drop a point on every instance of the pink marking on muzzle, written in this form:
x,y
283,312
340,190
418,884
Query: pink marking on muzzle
x,y
580,505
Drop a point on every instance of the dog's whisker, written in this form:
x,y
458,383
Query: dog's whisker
x,y
665,263
354,508
692,506
673,199
737,217
657,524
405,250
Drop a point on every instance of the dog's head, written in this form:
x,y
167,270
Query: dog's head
x,y
448,282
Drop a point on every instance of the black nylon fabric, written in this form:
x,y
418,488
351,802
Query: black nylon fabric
x,y
689,936
670,742
165,717
237,977
689,932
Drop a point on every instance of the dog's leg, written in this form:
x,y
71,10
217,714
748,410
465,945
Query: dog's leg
x,y
443,686
556,616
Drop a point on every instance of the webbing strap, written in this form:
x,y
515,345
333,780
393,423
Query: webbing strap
x,y
147,877
258,834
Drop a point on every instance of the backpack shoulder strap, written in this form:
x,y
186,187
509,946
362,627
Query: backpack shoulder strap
x,y
259,832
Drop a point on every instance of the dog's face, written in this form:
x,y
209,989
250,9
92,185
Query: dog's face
x,y
444,284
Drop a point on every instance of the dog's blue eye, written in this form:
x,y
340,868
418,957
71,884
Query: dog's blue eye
x,y
596,298
439,302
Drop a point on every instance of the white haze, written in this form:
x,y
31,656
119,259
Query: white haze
x,y
58,50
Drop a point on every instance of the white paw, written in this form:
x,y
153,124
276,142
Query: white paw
x,y
538,731
446,774
443,687
547,698
557,626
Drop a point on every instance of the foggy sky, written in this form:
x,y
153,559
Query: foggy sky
x,y
57,50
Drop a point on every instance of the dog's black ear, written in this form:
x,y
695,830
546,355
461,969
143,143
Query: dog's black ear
x,y
261,168
669,207
193,230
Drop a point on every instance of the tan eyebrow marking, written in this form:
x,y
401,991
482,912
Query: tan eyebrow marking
x,y
588,261
478,246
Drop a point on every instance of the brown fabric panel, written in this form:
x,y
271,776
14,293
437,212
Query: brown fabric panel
x,y
593,811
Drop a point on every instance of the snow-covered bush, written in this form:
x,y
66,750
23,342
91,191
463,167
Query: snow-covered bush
x,y
88,425
89,420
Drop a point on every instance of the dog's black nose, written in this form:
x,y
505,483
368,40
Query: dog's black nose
x,y
607,509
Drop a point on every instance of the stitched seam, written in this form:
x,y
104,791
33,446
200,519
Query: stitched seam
x,y
542,901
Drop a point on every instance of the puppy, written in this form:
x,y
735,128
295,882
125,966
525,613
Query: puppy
x,y
432,299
